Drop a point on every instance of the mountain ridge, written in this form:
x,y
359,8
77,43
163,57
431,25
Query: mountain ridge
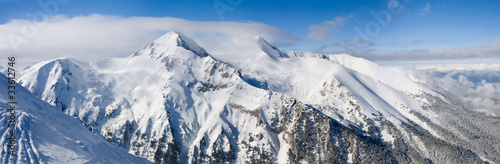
x,y
173,102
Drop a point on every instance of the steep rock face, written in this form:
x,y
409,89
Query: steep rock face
x,y
167,102
441,118
172,102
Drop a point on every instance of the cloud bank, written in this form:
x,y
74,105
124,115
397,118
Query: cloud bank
x,y
475,84
93,37
364,50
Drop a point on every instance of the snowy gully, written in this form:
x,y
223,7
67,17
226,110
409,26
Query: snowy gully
x,y
11,92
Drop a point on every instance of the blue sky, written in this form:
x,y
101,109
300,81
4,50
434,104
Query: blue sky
x,y
438,29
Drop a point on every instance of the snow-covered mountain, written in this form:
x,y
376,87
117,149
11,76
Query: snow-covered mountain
x,y
173,102
42,134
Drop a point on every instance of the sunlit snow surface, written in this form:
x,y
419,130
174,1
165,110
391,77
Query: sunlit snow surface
x,y
46,135
174,99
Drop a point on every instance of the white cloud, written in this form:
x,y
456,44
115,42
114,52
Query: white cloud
x,y
93,37
365,49
426,10
482,51
476,85
323,30
477,88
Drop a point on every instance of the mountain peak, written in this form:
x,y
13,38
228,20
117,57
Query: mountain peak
x,y
172,40
269,49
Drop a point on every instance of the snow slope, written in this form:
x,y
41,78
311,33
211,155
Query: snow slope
x,y
173,102
45,135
